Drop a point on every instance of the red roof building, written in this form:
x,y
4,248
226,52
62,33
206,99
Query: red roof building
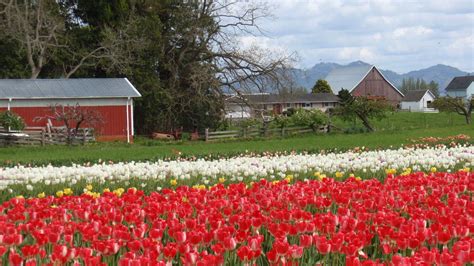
x,y
111,98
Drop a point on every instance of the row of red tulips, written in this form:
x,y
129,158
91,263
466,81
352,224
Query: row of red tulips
x,y
411,219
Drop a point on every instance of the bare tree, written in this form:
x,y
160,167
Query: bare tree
x,y
36,25
72,118
203,56
39,27
251,68
460,106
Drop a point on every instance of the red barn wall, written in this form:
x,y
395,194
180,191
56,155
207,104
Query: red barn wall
x,y
114,126
376,86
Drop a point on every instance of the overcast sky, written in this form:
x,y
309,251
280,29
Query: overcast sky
x,y
396,35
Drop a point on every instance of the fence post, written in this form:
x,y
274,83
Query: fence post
x,y
84,136
206,134
282,132
264,129
42,137
244,132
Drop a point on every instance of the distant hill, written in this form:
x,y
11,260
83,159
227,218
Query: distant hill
x,y
442,74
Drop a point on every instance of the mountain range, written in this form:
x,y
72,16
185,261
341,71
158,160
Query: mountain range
x,y
442,74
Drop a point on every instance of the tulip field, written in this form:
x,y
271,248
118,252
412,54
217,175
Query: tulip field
x,y
406,206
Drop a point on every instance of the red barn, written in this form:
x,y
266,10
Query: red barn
x,y
364,80
111,98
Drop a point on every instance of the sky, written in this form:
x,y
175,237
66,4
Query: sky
x,y
392,34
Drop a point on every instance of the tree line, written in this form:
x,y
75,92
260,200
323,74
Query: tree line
x,y
411,84
179,54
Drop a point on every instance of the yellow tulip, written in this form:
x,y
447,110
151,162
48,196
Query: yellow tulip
x,y
41,195
67,191
173,182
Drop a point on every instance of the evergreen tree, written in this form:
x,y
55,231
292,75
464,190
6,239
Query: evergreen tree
x,y
411,84
321,86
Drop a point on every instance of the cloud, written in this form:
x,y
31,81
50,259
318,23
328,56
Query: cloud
x,y
398,35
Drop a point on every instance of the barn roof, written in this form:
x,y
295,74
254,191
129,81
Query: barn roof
x,y
67,88
349,77
460,83
415,95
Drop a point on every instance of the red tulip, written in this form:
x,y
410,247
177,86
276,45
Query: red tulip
x,y
306,240
14,258
244,253
229,243
273,256
170,251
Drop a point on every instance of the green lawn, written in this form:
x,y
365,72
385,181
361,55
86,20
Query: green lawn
x,y
401,120
152,150
404,120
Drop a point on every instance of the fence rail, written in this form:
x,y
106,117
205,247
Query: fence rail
x,y
41,137
260,132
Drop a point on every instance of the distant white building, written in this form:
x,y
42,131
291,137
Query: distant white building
x,y
462,87
418,101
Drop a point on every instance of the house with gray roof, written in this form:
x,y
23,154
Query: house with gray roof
x,y
461,87
364,80
111,98
251,105
418,101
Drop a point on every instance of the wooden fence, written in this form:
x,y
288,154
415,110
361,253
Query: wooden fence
x,y
260,132
41,137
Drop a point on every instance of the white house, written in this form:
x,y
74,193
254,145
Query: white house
x,y
461,87
235,108
251,105
418,101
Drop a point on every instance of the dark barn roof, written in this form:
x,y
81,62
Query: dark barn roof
x,y
275,98
460,83
67,88
415,96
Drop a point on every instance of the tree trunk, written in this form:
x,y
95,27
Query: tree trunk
x,y
35,73
468,118
366,123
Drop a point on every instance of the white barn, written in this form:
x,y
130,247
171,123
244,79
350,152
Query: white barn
x,y
418,101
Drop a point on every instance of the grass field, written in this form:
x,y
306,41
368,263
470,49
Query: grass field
x,y
406,120
402,120
153,150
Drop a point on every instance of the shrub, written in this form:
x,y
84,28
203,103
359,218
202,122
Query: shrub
x,y
309,118
11,121
281,121
250,122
